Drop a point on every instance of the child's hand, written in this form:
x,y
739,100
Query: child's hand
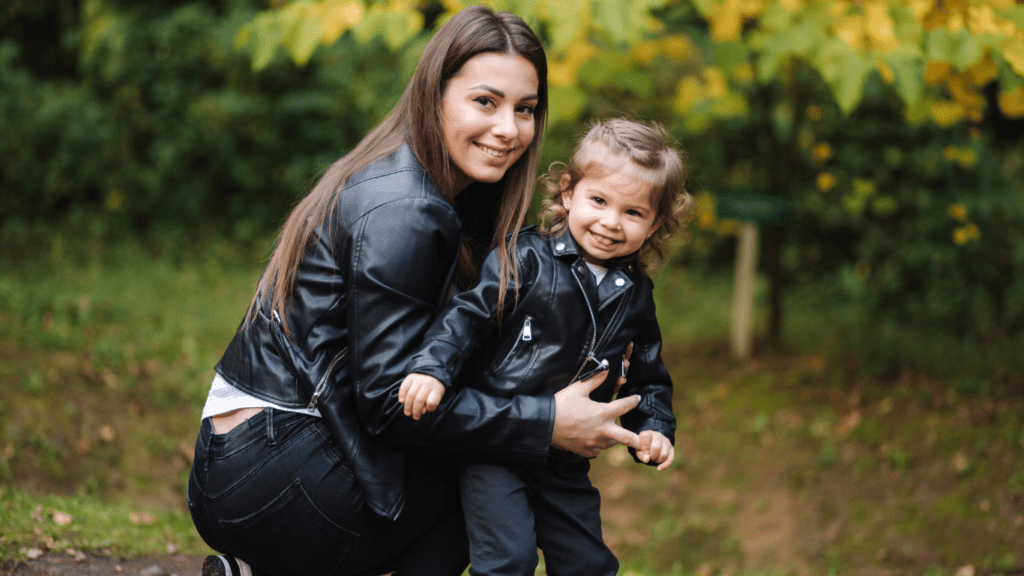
x,y
655,447
420,394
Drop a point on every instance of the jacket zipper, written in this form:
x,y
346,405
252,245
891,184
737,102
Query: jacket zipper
x,y
525,335
593,320
322,384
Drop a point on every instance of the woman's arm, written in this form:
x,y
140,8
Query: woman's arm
x,y
399,260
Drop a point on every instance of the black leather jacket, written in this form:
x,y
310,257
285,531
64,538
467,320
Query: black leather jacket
x,y
367,288
561,329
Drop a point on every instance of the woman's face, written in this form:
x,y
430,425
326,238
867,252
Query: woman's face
x,y
487,115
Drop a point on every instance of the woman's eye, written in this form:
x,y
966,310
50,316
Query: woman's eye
x,y
484,101
525,111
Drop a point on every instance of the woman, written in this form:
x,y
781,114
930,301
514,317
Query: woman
x,y
305,462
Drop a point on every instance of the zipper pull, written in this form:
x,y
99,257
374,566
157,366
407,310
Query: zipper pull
x,y
312,403
277,317
527,331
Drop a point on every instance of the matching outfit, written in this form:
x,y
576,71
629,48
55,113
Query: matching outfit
x,y
558,327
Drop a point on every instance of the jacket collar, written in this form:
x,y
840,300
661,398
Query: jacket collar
x,y
616,282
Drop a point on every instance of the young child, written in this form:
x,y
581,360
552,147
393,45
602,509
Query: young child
x,y
581,297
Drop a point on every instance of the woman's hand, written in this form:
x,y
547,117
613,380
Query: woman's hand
x,y
585,427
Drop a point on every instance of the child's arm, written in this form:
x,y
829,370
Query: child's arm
x,y
648,378
420,394
656,448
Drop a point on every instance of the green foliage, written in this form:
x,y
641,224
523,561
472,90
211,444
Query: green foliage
x,y
167,130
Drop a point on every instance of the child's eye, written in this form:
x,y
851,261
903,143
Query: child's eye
x,y
634,213
597,200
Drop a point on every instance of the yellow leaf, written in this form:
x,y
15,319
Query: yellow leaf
x,y
920,8
677,48
957,211
1013,51
945,114
955,23
814,112
452,6
937,72
753,8
352,12
726,20
1012,102
822,151
950,153
743,73
880,26
825,181
688,93
884,70
645,51
983,72
792,5
850,30
716,86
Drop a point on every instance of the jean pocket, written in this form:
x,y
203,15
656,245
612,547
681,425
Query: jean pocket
x,y
290,535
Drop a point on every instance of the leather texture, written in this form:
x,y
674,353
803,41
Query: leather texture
x,y
367,289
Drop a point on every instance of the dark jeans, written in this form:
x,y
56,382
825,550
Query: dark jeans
x,y
276,492
511,510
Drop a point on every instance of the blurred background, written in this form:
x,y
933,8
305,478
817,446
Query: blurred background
x,y
150,150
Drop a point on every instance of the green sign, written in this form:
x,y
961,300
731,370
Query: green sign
x,y
751,207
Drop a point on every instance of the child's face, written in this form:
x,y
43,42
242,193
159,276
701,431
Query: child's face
x,y
610,215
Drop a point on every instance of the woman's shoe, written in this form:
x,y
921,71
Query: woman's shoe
x,y
221,565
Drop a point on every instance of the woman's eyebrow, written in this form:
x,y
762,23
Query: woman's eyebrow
x,y
501,94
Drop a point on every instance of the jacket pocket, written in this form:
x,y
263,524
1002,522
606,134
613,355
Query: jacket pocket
x,y
525,335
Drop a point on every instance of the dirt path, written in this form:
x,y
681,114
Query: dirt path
x,y
63,565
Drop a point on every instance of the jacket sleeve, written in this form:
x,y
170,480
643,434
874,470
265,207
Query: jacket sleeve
x,y
467,321
649,378
399,262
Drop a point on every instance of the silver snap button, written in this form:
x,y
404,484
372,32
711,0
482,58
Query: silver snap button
x,y
560,246
619,282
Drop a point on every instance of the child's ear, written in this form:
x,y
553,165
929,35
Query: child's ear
x,y
654,227
563,183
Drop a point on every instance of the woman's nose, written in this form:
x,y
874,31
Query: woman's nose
x,y
505,124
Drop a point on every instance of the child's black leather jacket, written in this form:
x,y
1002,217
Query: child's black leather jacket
x,y
562,326
365,293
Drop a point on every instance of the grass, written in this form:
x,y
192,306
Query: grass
x,y
809,461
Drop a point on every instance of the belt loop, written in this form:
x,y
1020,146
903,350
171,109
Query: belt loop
x,y
271,440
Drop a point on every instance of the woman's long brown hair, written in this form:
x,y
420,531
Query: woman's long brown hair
x,y
416,120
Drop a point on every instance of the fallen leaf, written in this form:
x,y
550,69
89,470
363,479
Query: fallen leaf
x,y
142,518
107,433
960,462
32,553
966,570
62,519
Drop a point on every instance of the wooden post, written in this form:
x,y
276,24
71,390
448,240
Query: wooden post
x,y
743,291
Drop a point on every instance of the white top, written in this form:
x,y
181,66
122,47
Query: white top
x,y
599,271
224,398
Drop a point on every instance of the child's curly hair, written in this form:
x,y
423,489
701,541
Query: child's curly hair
x,y
640,150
